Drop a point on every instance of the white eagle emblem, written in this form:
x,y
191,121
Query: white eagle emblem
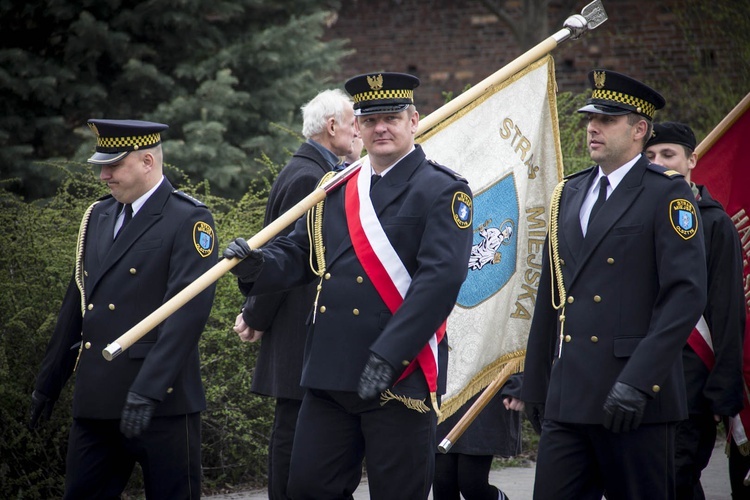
x,y
487,251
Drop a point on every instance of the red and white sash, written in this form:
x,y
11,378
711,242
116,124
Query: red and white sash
x,y
384,267
700,341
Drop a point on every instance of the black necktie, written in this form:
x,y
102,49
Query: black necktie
x,y
126,219
374,180
603,183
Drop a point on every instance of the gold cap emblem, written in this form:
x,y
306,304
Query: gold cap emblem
x,y
599,77
94,129
376,82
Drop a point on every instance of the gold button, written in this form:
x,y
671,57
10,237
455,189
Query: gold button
x,y
356,312
87,345
111,307
405,362
656,388
562,262
322,309
327,276
597,298
170,390
135,147
90,307
570,300
638,109
594,339
132,270
568,338
610,261
360,279
86,273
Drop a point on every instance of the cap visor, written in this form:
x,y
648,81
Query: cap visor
x,y
107,158
601,109
383,108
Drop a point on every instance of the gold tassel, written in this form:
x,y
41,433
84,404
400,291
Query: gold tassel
x,y
411,403
433,397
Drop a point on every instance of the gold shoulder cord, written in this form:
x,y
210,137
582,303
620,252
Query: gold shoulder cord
x,y
315,235
80,244
556,274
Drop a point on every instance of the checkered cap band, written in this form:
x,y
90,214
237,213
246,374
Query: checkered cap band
x,y
129,143
645,107
384,94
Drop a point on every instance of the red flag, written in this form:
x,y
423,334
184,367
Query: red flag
x,y
725,169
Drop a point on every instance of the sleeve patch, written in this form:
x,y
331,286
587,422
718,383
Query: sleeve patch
x,y
203,238
461,209
683,217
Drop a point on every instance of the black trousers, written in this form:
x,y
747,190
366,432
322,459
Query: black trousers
x,y
586,461
280,447
100,459
694,444
337,430
457,474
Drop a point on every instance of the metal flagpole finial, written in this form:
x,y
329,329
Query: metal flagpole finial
x,y
591,17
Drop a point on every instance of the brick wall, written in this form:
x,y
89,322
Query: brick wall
x,y
451,44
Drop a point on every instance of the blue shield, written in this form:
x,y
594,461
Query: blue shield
x,y
494,249
686,220
205,241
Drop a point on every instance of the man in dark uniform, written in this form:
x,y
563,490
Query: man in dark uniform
x,y
712,357
617,299
391,248
279,318
138,247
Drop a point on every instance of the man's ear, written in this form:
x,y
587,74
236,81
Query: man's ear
x,y
331,126
692,160
640,129
148,161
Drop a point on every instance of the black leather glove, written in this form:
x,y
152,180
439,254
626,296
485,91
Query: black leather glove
x,y
624,407
41,409
136,414
251,263
535,414
376,377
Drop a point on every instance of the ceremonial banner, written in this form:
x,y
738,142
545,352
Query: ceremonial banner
x,y
724,169
507,144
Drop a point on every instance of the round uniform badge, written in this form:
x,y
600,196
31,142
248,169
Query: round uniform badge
x,y
683,218
203,238
461,209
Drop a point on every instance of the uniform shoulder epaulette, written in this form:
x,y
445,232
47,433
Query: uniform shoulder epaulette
x,y
447,170
672,174
186,196
585,171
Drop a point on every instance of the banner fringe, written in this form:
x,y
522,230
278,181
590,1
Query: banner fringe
x,y
481,380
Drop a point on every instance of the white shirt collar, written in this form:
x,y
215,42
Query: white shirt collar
x,y
382,174
615,177
137,204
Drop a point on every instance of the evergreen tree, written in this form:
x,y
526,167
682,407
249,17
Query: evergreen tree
x,y
219,72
